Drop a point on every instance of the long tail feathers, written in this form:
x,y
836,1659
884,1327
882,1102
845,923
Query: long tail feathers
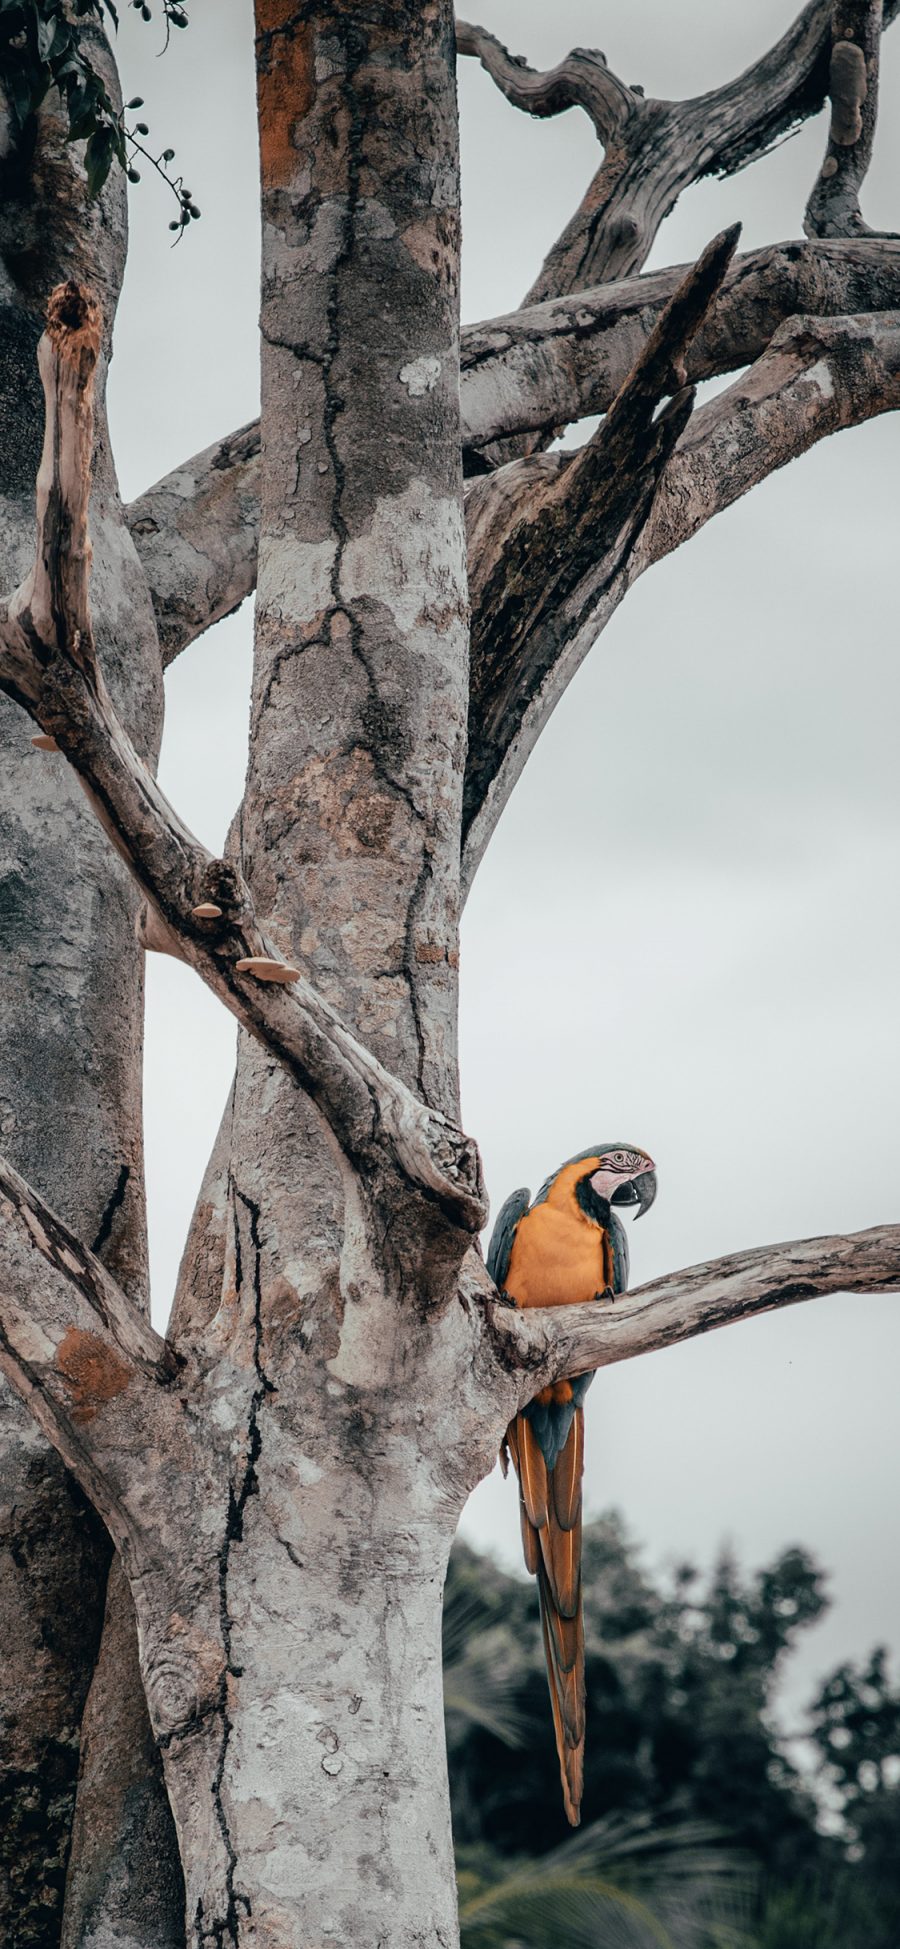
x,y
550,1509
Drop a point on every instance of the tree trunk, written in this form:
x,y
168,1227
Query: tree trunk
x,y
71,999
329,1768
333,1778
124,1888
283,1477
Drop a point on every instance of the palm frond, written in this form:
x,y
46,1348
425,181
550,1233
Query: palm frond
x,y
482,1673
622,1883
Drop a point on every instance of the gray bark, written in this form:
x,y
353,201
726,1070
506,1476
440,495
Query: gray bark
x,y
197,533
282,1477
527,372
70,1054
833,208
124,1888
655,149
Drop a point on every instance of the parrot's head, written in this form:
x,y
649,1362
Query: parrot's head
x,y
624,1175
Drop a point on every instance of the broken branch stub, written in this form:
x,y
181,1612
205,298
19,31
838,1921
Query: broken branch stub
x,y
54,604
818,375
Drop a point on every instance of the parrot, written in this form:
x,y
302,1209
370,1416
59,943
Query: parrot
x,y
567,1246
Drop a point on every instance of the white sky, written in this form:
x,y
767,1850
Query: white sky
x,y
686,930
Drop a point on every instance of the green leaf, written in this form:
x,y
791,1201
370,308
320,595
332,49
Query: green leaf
x,y
98,158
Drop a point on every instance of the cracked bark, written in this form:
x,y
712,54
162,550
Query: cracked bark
x,y
70,1053
200,908
283,1485
350,846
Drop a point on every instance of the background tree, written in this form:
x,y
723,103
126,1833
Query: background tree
x,y
282,1478
702,1815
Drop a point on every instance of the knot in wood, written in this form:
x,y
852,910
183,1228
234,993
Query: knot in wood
x,y
219,885
183,1680
848,87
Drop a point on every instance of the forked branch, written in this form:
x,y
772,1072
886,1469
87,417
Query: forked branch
x,y
660,147
527,372
201,906
546,1344
535,552
817,376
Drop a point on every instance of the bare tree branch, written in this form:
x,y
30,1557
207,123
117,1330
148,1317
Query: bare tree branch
x,y
581,80
817,376
202,908
196,533
833,208
534,370
661,147
529,550
528,372
548,1343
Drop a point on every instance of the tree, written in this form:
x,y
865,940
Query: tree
x,y
680,1685
281,1476
702,1821
697,1810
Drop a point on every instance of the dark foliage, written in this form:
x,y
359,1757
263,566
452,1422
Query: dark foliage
x,y
48,45
680,1690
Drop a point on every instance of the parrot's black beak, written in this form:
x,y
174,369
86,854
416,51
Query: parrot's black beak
x,y
639,1191
645,1186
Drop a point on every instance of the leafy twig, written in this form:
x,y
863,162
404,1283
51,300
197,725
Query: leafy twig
x,y
43,47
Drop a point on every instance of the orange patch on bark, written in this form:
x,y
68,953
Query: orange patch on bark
x,y
93,1373
286,86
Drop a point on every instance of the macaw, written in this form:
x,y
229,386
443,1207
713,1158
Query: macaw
x,y
566,1247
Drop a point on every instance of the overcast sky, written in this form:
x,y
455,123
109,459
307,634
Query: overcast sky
x,y
686,930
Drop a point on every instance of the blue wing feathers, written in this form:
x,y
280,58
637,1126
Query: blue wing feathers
x,y
500,1248
619,1241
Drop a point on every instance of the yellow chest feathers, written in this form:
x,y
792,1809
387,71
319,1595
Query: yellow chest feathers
x,y
558,1257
